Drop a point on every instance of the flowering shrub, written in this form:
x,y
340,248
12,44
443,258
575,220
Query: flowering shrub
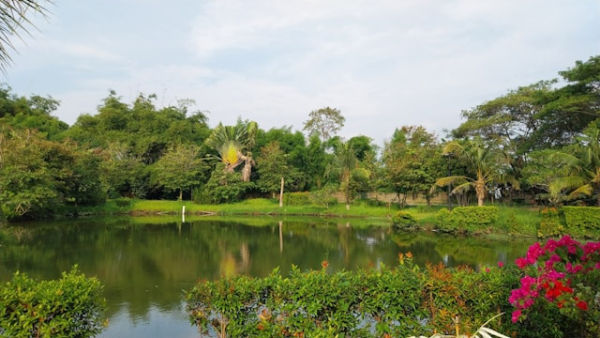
x,y
564,275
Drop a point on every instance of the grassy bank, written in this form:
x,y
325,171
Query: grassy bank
x,y
513,220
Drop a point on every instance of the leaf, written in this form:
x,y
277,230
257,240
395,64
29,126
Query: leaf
x,y
444,181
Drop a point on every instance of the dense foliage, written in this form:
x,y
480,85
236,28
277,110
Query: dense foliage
x,y
71,306
536,144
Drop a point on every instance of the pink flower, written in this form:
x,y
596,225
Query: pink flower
x,y
500,264
521,263
515,315
487,269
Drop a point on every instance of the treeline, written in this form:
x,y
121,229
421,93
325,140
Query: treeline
x,y
538,142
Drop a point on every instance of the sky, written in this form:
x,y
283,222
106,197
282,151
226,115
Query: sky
x,y
383,63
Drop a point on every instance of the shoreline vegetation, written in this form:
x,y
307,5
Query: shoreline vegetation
x,y
499,219
512,220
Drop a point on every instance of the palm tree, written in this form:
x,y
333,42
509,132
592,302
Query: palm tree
x,y
233,143
583,165
485,160
13,18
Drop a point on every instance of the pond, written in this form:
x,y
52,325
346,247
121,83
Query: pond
x,y
146,262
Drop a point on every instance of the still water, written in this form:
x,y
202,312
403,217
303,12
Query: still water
x,y
146,262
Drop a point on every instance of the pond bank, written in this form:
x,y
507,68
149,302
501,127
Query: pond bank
x,y
512,220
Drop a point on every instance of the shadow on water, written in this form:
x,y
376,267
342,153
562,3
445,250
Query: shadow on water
x,y
145,263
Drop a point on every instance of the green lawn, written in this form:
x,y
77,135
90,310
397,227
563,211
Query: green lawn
x,y
514,220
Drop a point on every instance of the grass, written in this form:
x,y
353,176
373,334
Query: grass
x,y
512,219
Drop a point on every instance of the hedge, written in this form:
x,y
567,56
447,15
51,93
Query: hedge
x,y
399,302
71,306
582,220
466,219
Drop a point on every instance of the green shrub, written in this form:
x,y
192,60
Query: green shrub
x,y
404,220
123,202
467,219
582,220
397,302
70,306
324,197
296,198
550,225
443,223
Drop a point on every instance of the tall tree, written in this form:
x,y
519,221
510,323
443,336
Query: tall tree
x,y
325,122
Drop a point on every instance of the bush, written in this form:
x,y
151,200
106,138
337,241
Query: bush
x,y
443,223
395,302
324,197
582,220
123,202
404,220
550,224
224,187
467,219
71,306
296,198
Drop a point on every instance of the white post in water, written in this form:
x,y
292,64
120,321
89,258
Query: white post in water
x,y
183,214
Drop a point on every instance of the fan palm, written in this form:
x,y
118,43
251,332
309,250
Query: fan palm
x,y
233,143
485,161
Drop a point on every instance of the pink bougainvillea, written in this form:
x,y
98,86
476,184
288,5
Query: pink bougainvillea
x,y
556,266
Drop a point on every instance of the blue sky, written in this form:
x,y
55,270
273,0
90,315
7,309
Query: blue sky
x,y
383,63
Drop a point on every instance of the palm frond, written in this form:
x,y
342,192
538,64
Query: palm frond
x,y
462,188
453,148
586,190
444,181
13,18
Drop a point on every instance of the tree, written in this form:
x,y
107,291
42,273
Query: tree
x,y
31,113
486,163
271,166
14,18
548,174
411,163
38,177
325,122
345,162
582,162
179,169
234,144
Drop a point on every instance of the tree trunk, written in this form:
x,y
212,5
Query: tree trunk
x,y
281,193
480,189
248,163
180,194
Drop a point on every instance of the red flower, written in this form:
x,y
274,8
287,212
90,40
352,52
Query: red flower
x,y
324,264
582,305
500,264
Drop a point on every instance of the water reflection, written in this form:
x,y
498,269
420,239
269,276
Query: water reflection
x,y
145,263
